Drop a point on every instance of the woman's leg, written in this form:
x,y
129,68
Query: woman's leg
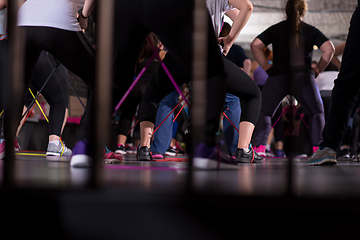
x,y
275,89
242,86
233,112
305,91
72,50
162,137
52,93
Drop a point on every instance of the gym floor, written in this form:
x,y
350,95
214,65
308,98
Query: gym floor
x,y
138,200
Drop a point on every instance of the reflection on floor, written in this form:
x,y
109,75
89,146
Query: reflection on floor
x,y
154,200
34,169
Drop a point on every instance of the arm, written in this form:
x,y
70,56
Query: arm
x,y
328,50
339,49
247,66
257,49
240,16
88,7
254,65
2,4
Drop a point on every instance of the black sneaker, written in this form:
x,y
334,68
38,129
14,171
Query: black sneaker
x,y
143,154
344,153
174,151
247,157
120,149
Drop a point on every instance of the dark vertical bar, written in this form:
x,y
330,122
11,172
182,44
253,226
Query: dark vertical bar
x,y
199,81
14,91
296,62
289,190
105,20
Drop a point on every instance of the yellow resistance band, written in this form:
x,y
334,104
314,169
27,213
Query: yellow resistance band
x,y
63,148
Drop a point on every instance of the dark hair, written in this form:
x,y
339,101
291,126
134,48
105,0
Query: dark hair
x,y
146,49
225,30
294,10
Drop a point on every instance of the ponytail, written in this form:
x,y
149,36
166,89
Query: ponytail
x,y
295,9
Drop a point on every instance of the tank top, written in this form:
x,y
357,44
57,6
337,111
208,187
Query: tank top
x,y
60,14
217,9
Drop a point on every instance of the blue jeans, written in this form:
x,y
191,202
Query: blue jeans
x,y
162,136
233,111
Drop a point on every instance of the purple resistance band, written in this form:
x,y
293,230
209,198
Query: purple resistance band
x,y
134,82
155,55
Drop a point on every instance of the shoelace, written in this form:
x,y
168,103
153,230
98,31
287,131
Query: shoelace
x,y
253,154
63,147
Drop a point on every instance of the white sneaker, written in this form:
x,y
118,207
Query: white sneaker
x,y
81,156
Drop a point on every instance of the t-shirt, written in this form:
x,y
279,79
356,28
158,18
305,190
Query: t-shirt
x,y
278,35
60,14
217,9
237,55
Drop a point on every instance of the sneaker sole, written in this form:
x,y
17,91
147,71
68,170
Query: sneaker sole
x,y
56,154
130,151
246,160
325,161
158,157
144,158
120,152
112,161
207,164
81,161
170,154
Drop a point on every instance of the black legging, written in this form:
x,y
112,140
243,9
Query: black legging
x,y
237,81
129,106
241,85
347,87
73,51
55,92
172,22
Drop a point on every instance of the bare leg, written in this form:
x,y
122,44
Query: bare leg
x,y
21,122
279,145
146,130
246,130
173,142
121,139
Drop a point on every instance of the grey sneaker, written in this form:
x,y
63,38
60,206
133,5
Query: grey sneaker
x,y
325,156
58,150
